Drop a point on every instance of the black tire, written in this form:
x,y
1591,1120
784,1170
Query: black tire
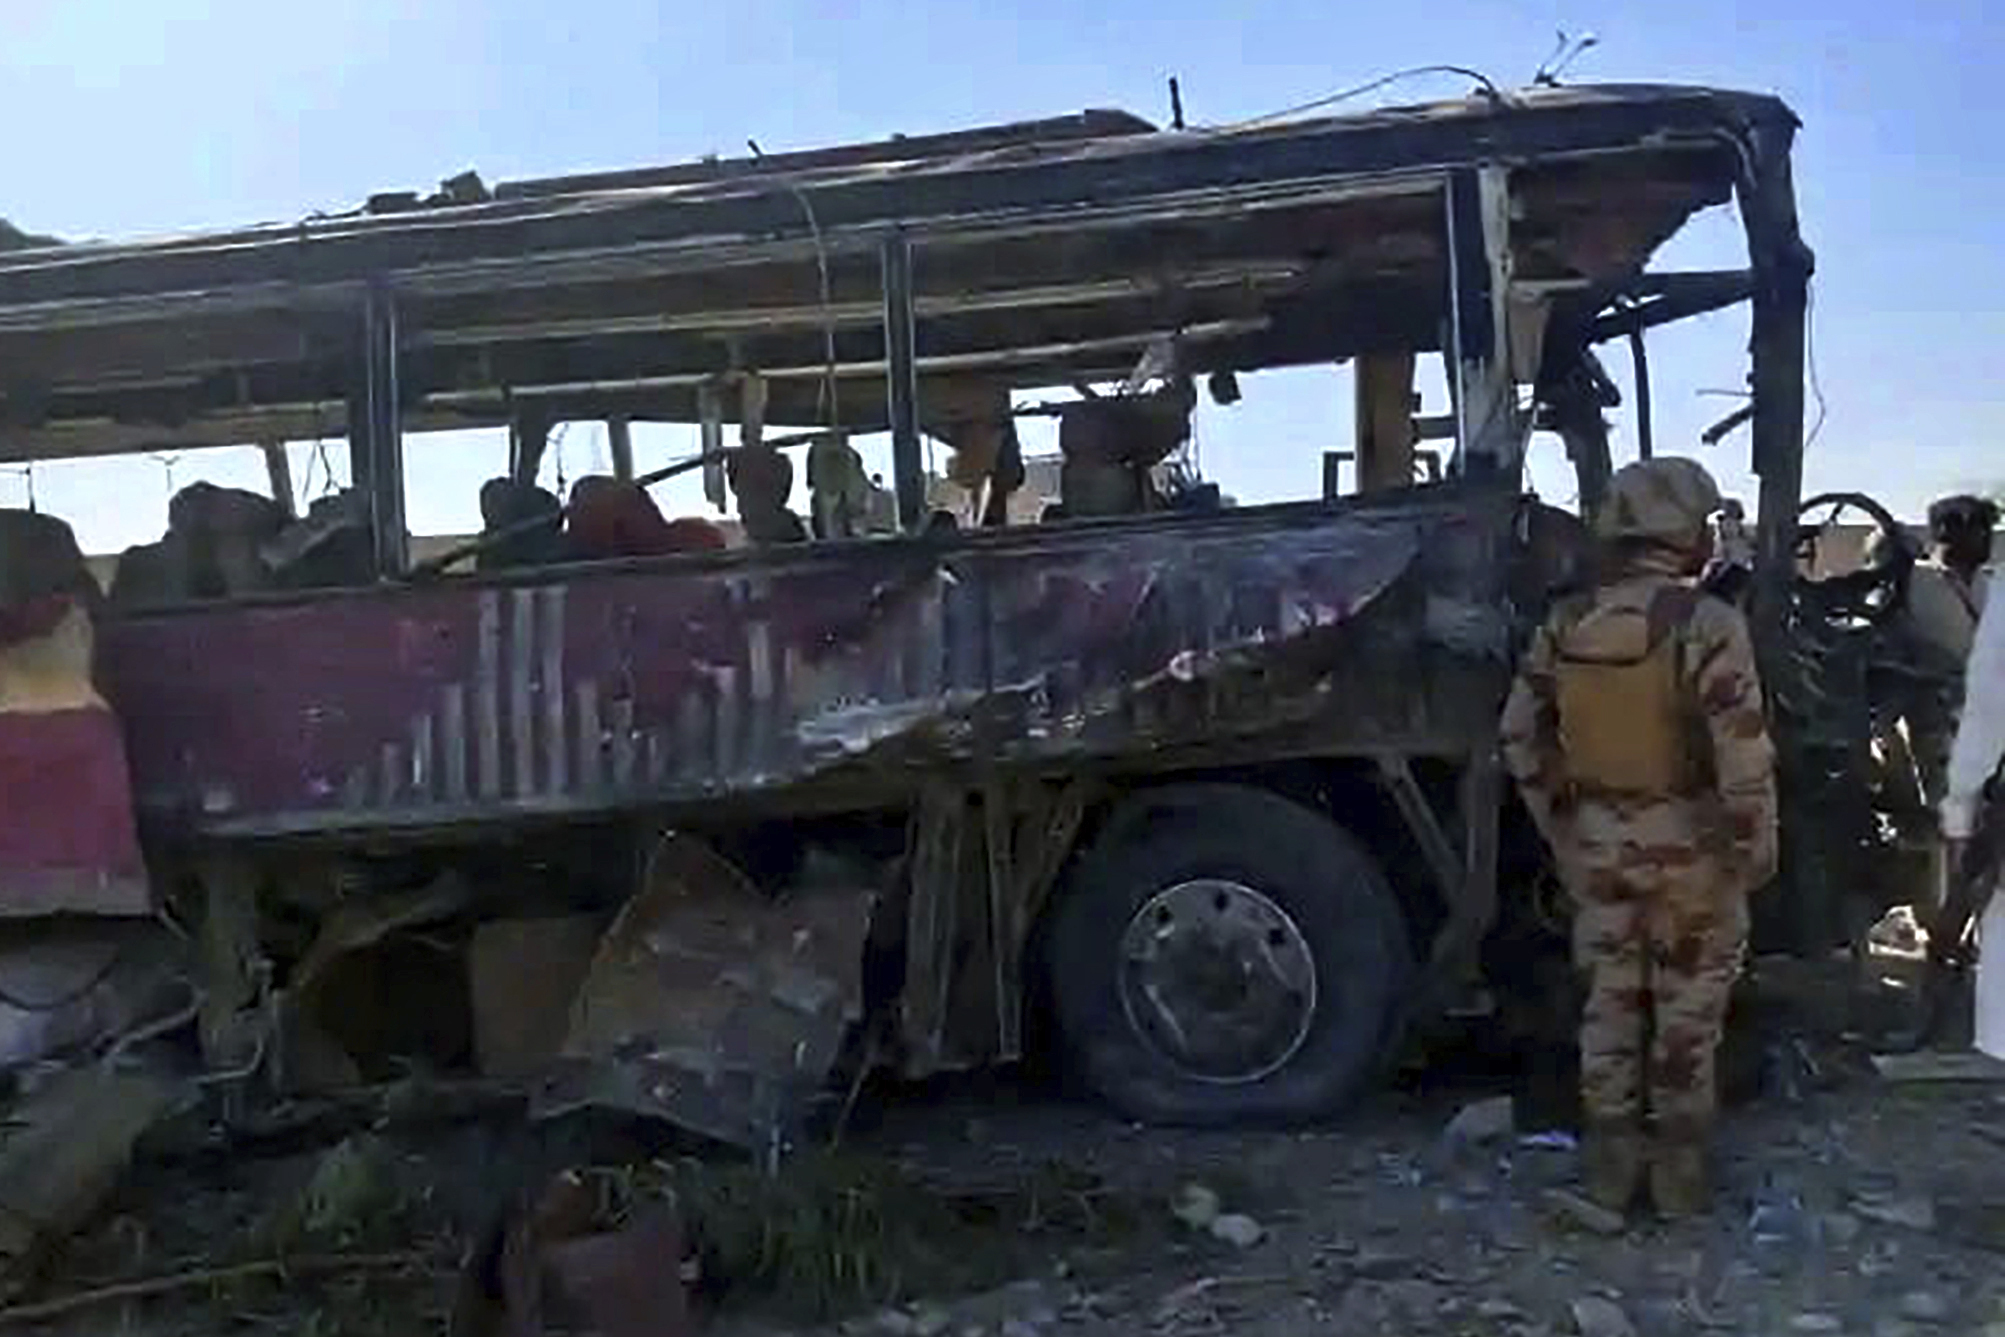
x,y
1342,910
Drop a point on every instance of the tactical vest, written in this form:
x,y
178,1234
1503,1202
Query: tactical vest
x,y
1628,722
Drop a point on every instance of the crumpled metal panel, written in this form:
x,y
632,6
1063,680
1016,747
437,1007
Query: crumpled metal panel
x,y
590,689
714,1006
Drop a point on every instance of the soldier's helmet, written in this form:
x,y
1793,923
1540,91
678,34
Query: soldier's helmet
x,y
1665,501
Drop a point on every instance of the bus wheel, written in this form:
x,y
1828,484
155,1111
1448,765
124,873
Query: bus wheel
x,y
1225,955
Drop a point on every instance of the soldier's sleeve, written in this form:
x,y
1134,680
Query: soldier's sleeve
x,y
1729,693
1529,733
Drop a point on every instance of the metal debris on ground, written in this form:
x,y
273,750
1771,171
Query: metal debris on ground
x,y
1911,1212
1579,1211
1483,1121
523,975
66,1149
714,1006
1594,1316
67,985
1238,1230
1196,1206
1969,1066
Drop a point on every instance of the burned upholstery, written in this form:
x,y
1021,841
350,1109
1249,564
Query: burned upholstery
x,y
213,548
1110,445
612,518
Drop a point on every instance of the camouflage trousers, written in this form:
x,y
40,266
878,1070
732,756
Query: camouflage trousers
x,y
1659,932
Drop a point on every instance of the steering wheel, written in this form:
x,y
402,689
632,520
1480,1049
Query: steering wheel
x,y
1858,600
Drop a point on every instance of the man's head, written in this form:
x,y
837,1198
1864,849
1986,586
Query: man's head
x,y
1960,529
762,478
1665,504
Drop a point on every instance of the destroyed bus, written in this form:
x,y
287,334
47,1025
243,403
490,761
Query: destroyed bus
x,y
702,826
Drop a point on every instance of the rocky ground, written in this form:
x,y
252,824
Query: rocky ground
x,y
1869,1210
1849,1204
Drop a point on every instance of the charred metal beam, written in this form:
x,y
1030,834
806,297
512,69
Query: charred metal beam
x,y
1090,124
278,473
1672,297
1396,774
376,449
528,440
620,445
1639,363
1489,433
1475,911
1720,430
901,391
1782,266
1572,398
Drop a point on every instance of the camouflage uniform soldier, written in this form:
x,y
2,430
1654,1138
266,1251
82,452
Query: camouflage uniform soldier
x,y
1636,735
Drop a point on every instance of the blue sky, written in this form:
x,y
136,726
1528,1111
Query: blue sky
x,y
137,116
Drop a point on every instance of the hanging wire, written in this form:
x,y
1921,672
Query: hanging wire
x,y
1345,95
827,400
319,457
1810,362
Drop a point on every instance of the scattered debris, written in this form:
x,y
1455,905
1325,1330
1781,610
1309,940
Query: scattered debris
x,y
1586,1214
1483,1122
523,975
67,984
1553,1140
1913,1213
1975,1221
357,996
1196,1206
1934,1066
297,1267
68,1146
365,921
555,1266
1238,1230
909,1222
1596,1317
713,1006
1926,1307
624,1283
1841,1229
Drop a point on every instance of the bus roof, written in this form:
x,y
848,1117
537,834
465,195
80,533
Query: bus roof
x,y
1045,253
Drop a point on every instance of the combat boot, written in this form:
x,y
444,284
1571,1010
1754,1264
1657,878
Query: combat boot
x,y
1611,1166
1680,1184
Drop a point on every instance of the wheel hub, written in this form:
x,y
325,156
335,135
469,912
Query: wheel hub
x,y
1217,980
